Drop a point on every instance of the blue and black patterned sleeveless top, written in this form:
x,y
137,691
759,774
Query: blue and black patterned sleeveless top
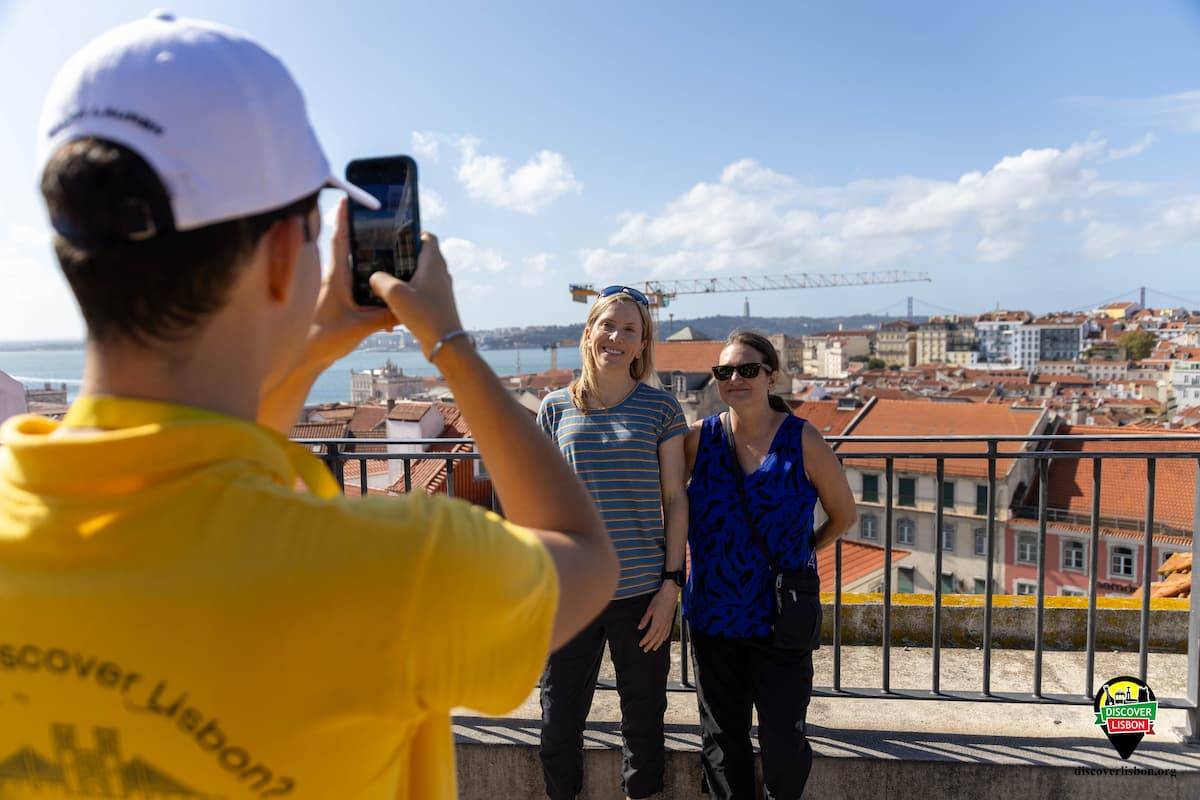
x,y
729,591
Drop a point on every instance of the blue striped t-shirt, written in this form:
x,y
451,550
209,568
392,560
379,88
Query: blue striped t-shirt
x,y
614,451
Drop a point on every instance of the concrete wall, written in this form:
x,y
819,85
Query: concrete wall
x,y
490,772
1118,622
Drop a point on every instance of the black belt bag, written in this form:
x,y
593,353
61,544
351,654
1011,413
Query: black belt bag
x,y
796,624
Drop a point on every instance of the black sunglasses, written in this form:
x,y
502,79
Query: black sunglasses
x,y
609,291
724,372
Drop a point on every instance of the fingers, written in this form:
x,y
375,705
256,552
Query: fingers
x,y
339,249
647,617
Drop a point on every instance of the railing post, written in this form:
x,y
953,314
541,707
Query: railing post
x,y
991,566
1193,688
334,460
837,614
939,521
1093,568
1043,467
1147,572
890,473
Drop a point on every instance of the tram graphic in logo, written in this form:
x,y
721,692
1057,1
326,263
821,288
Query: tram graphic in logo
x,y
79,771
1126,709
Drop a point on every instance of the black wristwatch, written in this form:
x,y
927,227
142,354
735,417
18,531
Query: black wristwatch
x,y
676,575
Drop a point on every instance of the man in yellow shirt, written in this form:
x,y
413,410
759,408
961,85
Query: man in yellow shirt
x,y
188,607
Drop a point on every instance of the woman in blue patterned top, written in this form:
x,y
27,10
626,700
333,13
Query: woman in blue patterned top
x,y
624,438
729,599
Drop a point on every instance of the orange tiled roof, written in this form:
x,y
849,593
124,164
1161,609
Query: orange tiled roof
x,y
409,412
1122,480
429,475
350,475
908,418
318,430
368,417
825,416
859,560
686,356
1027,524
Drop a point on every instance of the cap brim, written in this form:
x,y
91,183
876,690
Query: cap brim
x,y
356,194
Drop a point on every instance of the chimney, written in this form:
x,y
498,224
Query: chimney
x,y
391,403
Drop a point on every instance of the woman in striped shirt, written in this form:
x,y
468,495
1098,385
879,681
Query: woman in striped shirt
x,y
624,438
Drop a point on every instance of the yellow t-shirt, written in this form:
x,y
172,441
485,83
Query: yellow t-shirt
x,y
178,620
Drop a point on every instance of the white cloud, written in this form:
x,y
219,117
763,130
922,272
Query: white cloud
x,y
536,271
1180,111
754,219
426,145
994,249
529,188
463,256
1137,148
1176,224
432,205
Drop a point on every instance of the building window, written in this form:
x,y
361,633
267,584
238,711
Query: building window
x,y
980,541
948,494
947,583
1164,555
908,492
905,580
949,534
868,526
1121,564
1073,555
870,488
679,382
1026,549
1026,587
906,531
981,498
980,586
1072,591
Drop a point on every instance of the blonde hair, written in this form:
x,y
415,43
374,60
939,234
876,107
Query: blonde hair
x,y
641,369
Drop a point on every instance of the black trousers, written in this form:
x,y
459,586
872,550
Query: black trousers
x,y
732,676
567,688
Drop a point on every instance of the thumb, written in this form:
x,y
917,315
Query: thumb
x,y
388,287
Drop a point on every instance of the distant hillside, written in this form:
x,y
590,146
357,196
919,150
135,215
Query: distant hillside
x,y
713,327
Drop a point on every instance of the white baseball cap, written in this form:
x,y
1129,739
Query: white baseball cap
x,y
215,115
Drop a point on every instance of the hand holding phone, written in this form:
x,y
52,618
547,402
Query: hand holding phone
x,y
425,305
386,240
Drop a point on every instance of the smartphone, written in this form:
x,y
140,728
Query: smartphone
x,y
388,239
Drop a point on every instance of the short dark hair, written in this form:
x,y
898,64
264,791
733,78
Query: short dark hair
x,y
770,357
156,289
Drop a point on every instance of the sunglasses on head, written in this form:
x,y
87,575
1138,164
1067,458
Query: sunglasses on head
x,y
724,372
609,291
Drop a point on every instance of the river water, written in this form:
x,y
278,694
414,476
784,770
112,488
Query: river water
x,y
35,367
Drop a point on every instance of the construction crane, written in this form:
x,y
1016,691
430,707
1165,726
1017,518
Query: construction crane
x,y
661,293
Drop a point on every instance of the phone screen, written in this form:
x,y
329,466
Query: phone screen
x,y
387,239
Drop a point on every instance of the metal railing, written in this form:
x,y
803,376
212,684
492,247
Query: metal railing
x,y
892,451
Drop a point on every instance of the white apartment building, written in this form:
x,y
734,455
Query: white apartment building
x,y
993,331
1185,377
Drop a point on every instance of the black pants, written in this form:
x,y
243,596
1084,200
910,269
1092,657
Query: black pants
x,y
567,687
732,675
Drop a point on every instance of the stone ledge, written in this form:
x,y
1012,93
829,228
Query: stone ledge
x,y
497,758
883,748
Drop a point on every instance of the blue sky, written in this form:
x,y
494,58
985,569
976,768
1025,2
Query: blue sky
x,y
1030,155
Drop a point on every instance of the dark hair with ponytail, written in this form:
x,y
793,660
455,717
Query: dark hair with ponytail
x,y
769,357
